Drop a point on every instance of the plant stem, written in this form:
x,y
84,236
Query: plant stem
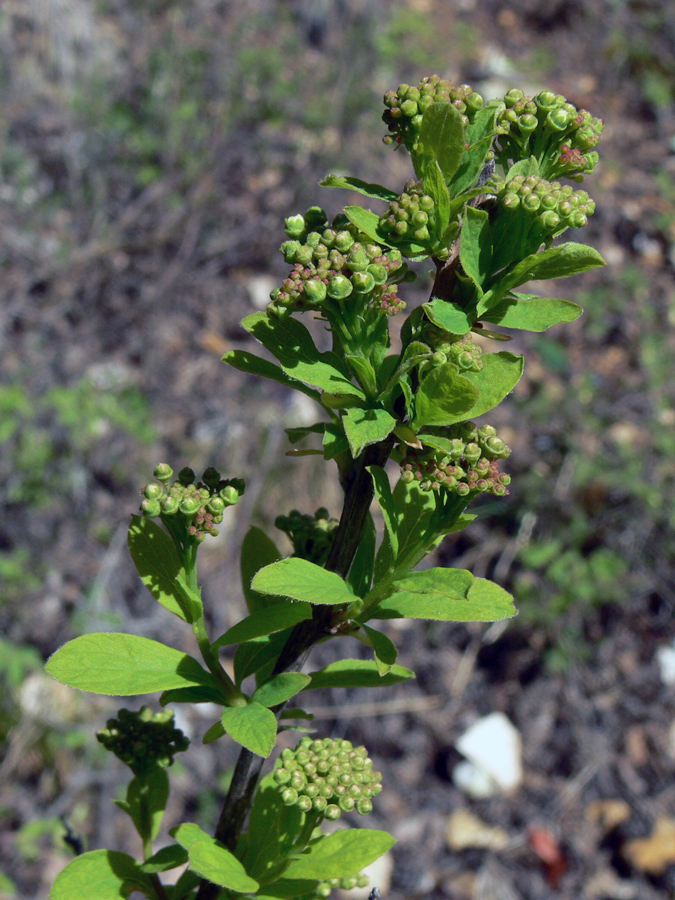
x,y
358,487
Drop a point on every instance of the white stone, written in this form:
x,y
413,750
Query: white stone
x,y
494,746
665,657
379,874
476,783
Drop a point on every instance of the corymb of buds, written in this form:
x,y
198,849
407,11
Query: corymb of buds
x,y
469,462
325,888
334,264
311,536
550,128
327,777
197,505
455,348
407,104
143,740
408,217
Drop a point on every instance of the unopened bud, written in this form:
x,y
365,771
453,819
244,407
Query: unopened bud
x,y
295,226
339,288
163,472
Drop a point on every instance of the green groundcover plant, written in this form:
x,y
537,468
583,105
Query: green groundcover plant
x,y
485,206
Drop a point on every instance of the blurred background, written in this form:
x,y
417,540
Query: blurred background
x,y
149,151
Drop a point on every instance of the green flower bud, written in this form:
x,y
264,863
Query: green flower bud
x,y
472,452
315,291
230,495
289,250
343,241
151,508
163,472
546,101
363,282
215,505
304,804
531,202
332,812
364,806
289,796
315,218
558,119
409,108
358,260
304,255
339,288
295,226
528,123
347,804
379,274
282,776
169,506
189,507
549,220
422,234
153,492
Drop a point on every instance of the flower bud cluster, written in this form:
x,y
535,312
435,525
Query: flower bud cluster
x,y
556,206
198,506
407,104
407,218
328,777
311,536
551,129
472,465
143,740
325,888
331,264
454,348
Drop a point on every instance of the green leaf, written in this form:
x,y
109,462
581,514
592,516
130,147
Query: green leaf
x,y
532,313
365,373
291,343
157,563
124,664
280,688
100,875
367,222
302,580
254,365
448,316
412,512
301,432
266,621
386,501
443,397
146,801
165,859
446,595
197,694
501,372
374,191
384,649
357,673
435,186
257,551
441,137
214,733
258,654
557,262
334,440
213,861
273,828
366,426
341,854
253,726
525,167
475,247
479,135
360,576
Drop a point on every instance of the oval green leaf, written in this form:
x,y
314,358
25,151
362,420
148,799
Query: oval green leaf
x,y
341,854
266,621
123,665
157,563
443,397
280,688
357,673
302,580
253,726
100,875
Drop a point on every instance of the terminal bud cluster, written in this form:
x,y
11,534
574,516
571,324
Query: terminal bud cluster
x,y
464,460
311,536
406,105
328,777
143,739
408,216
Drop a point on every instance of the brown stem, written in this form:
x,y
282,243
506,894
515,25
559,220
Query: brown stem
x,y
358,487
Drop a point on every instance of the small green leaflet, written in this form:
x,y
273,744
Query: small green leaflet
x,y
384,649
501,372
254,365
374,191
443,397
100,875
448,595
257,550
448,316
253,726
157,563
280,688
557,262
387,505
341,854
266,621
123,665
367,222
357,673
147,795
366,426
441,137
435,186
525,167
302,580
475,245
210,859
479,135
165,859
291,343
532,313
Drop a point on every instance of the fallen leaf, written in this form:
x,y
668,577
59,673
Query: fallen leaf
x,y
466,830
655,853
548,850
